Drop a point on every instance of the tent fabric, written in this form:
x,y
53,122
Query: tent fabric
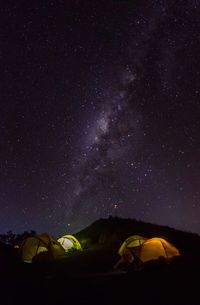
x,y
149,249
131,242
156,248
40,247
69,242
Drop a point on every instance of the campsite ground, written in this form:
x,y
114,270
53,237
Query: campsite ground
x,y
88,278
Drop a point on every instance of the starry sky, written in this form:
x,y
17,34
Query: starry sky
x,y
99,113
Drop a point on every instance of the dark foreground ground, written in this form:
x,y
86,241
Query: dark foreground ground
x,y
88,278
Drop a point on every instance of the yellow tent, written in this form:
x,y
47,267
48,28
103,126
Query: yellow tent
x,y
147,249
69,243
131,242
40,247
156,248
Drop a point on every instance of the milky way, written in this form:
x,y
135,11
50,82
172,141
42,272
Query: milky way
x,y
110,144
99,114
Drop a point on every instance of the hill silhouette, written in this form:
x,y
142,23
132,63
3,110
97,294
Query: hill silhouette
x,y
115,230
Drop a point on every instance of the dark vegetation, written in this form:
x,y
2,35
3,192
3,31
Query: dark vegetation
x,y
87,277
12,239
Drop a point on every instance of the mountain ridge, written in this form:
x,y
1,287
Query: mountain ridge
x,y
115,230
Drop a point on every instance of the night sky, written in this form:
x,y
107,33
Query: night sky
x,y
99,113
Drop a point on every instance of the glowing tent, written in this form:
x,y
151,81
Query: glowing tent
x,y
147,249
156,248
69,243
40,247
131,242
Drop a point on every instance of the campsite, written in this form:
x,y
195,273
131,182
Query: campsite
x,y
87,276
100,152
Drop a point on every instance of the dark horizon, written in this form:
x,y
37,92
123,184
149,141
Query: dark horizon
x,y
67,231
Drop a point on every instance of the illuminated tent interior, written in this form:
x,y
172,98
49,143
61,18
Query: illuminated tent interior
x,y
69,243
40,247
150,249
131,242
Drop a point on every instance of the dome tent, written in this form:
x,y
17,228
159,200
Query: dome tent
x,y
40,247
131,242
69,243
150,249
156,248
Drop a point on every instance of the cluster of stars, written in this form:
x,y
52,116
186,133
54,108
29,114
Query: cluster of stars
x,y
99,114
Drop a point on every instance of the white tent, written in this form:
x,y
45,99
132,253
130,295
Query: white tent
x,y
69,243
